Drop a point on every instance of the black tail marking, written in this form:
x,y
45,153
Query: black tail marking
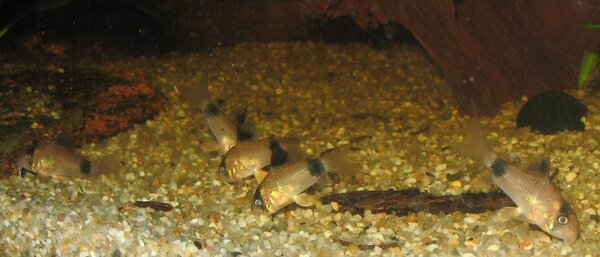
x,y
499,167
85,167
316,167
211,110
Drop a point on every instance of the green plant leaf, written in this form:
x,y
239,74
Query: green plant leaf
x,y
589,62
592,26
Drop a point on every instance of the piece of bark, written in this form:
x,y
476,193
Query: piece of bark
x,y
159,206
412,200
490,51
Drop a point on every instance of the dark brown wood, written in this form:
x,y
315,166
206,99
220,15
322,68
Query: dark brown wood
x,y
412,200
159,206
490,51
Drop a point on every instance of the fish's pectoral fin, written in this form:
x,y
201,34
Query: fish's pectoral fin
x,y
305,200
509,213
259,175
210,146
110,164
540,166
23,172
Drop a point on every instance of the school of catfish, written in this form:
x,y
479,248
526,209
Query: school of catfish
x,y
284,172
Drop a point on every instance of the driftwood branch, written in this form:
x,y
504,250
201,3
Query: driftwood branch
x,y
490,51
412,200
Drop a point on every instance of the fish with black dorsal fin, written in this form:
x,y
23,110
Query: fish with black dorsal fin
x,y
226,131
223,129
538,200
285,184
248,158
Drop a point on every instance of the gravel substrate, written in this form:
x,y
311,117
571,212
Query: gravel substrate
x,y
327,95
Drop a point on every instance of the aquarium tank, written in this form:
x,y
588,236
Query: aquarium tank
x,y
299,128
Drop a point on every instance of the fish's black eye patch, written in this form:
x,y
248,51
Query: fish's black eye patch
x,y
29,153
258,200
499,167
565,209
223,165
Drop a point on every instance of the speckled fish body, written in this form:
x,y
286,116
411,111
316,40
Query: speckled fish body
x,y
247,157
54,160
538,200
280,186
284,184
223,129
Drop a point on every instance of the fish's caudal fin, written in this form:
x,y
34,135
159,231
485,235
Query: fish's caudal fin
x,y
475,146
336,161
110,164
194,94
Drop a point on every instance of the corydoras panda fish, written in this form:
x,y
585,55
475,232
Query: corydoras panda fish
x,y
285,184
538,200
247,158
223,129
55,160
226,131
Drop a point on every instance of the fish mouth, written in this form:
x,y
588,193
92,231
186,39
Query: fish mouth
x,y
24,171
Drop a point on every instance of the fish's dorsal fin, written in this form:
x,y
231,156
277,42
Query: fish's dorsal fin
x,y
279,156
65,140
210,146
245,131
539,166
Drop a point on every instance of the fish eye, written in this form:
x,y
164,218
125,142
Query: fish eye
x,y
28,156
257,202
223,166
562,220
